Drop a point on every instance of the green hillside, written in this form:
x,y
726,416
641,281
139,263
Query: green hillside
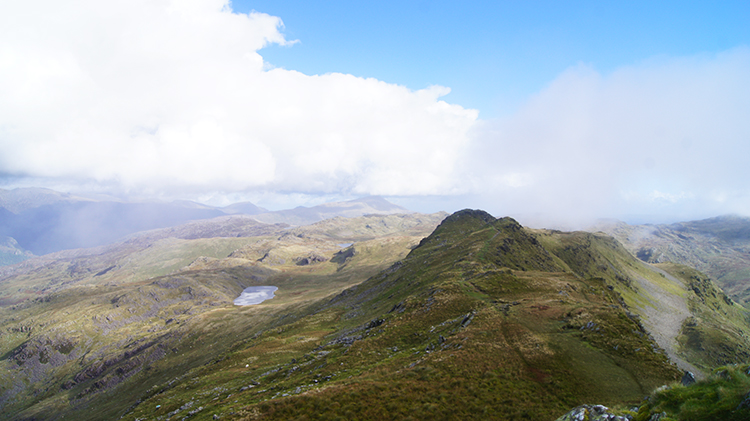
x,y
483,319
80,324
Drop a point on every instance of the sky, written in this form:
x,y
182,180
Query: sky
x,y
553,112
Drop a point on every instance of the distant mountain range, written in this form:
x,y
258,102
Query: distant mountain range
x,y
353,208
42,221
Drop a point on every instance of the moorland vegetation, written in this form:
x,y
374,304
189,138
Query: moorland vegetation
x,y
377,317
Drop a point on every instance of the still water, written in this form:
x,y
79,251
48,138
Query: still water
x,y
255,295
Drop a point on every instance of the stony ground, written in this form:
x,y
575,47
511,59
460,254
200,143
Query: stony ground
x,y
664,314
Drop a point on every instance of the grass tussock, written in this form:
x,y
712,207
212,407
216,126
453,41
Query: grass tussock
x,y
724,395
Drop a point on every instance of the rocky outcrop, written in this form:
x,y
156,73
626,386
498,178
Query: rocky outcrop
x,y
310,259
593,413
342,256
688,378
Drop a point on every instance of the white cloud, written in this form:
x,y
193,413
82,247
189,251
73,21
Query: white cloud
x,y
173,96
666,131
669,197
159,95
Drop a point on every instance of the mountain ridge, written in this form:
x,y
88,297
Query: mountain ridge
x,y
302,215
451,282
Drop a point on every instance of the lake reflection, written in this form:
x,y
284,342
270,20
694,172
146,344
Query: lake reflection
x,y
255,295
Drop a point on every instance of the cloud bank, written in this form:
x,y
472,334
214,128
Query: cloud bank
x,y
155,95
174,96
666,136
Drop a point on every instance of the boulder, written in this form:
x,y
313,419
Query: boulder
x,y
688,378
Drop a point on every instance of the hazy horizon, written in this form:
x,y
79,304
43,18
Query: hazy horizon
x,y
530,219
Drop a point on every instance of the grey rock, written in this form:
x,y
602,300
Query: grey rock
x,y
465,322
688,378
593,413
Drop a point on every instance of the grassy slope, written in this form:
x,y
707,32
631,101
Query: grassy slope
x,y
485,319
717,331
479,321
96,323
711,329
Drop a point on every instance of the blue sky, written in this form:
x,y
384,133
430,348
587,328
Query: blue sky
x,y
493,54
551,112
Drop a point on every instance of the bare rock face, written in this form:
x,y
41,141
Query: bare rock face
x,y
593,413
310,260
